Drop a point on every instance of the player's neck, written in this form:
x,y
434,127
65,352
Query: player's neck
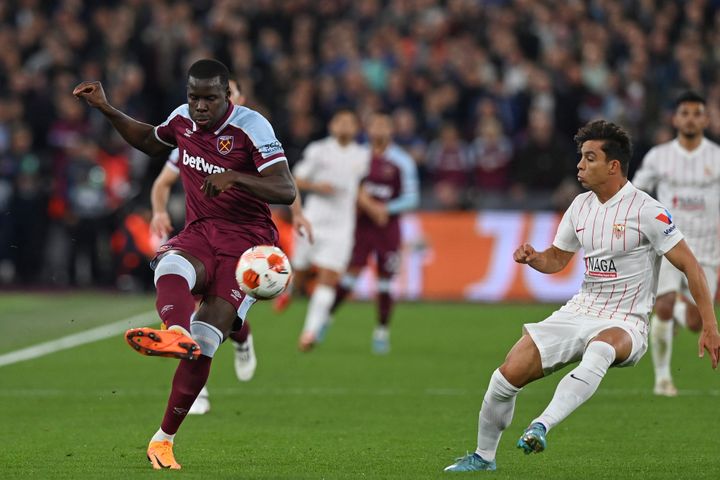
x,y
379,148
609,190
344,142
690,143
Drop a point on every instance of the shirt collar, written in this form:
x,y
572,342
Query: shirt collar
x,y
627,188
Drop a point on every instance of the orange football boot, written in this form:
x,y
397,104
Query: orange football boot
x,y
161,455
174,342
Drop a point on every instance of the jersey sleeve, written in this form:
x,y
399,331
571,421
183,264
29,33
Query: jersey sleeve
x,y
409,197
657,225
165,132
646,177
267,149
306,167
566,239
172,161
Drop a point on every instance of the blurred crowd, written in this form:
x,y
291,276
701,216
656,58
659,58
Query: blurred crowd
x,y
486,95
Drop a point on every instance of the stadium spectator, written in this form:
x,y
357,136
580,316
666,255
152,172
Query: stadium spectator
x,y
436,62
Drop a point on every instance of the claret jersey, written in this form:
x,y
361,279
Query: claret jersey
x,y
243,141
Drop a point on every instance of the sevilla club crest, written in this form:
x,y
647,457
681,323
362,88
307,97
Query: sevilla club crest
x,y
225,144
619,230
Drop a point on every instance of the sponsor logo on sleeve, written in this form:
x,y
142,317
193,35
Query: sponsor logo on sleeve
x,y
225,144
270,148
666,218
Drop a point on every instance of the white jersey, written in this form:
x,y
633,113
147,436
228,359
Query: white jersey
x,y
623,241
688,183
326,161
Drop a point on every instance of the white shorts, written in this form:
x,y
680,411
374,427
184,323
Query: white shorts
x,y
331,251
673,280
563,337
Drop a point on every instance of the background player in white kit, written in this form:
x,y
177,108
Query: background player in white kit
x,y
623,232
685,173
329,173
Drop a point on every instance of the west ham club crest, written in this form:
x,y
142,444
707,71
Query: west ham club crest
x,y
225,144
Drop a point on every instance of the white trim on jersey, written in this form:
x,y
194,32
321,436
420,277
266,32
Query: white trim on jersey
x,y
272,162
160,139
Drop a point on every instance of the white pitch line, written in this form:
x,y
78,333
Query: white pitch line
x,y
80,338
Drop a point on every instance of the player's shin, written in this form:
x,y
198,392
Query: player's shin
x,y
578,385
495,415
174,280
661,340
319,308
191,376
385,302
346,285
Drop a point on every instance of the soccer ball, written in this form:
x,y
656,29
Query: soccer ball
x,y
263,272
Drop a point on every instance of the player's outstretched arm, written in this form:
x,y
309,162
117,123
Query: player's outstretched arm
x,y
551,260
683,259
138,134
274,185
160,224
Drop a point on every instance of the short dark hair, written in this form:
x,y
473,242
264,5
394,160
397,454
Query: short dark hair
x,y
616,141
689,96
208,68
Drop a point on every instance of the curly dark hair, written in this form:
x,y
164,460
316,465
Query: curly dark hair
x,y
617,144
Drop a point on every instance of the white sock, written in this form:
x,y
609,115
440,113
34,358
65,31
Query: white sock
x,y
381,333
495,415
680,312
319,308
162,436
661,340
578,385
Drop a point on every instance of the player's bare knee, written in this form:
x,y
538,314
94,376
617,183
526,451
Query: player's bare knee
x,y
664,306
692,319
617,338
217,312
523,363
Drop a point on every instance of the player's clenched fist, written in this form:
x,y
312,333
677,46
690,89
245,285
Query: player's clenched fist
x,y
525,253
92,92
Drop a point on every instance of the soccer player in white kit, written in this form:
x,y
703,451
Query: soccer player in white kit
x,y
329,172
685,173
624,233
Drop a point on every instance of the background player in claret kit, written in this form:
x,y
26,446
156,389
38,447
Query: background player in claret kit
x,y
685,173
329,172
624,234
390,188
231,166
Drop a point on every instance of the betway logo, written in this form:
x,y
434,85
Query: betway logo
x,y
200,164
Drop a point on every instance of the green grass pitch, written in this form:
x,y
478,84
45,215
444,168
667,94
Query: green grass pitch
x,y
338,412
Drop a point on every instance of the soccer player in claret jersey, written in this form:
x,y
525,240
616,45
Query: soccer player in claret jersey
x,y
624,233
160,225
685,173
390,188
231,167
